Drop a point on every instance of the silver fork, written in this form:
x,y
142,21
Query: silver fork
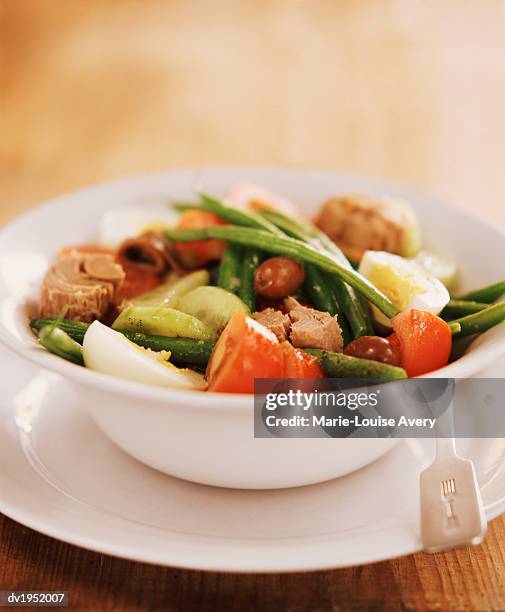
x,y
452,513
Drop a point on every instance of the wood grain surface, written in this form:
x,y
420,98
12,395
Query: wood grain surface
x,y
407,90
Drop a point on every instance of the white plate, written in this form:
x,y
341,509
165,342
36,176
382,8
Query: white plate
x,y
61,476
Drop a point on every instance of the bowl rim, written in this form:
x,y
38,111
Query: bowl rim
x,y
467,365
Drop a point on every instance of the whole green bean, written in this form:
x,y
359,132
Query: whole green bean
x,y
318,290
487,295
480,321
461,308
291,247
236,216
247,292
184,350
289,225
184,206
229,270
341,318
338,365
455,327
58,342
352,308
460,345
75,329
367,313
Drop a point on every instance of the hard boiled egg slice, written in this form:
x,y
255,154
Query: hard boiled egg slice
x,y
406,283
109,352
120,224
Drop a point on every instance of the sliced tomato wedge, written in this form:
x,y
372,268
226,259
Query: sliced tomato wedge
x,y
425,341
301,366
199,252
245,350
298,364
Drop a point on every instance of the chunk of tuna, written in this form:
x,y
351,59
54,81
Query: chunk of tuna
x,y
358,224
84,283
275,321
312,328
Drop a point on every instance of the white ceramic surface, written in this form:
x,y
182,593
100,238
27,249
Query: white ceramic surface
x,y
209,438
60,475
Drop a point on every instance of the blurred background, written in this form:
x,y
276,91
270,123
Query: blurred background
x,y
403,89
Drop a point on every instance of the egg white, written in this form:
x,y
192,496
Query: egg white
x,y
109,352
407,277
120,224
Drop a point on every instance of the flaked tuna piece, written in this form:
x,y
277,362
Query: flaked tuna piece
x,y
312,328
85,284
275,321
358,224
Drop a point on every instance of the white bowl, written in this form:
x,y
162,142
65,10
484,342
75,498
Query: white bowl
x,y
208,438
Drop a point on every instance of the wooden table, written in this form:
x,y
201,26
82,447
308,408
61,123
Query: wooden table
x,y
415,91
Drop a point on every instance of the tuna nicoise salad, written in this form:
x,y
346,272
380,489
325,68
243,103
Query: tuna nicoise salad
x,y
209,295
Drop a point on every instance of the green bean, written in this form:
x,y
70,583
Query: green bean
x,y
229,270
487,295
247,292
58,342
367,313
352,308
338,365
341,318
290,247
317,288
184,350
309,232
455,327
480,321
357,315
460,346
460,308
184,206
288,225
236,216
75,329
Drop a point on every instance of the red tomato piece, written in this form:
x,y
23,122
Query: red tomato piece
x,y
245,350
298,364
425,341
